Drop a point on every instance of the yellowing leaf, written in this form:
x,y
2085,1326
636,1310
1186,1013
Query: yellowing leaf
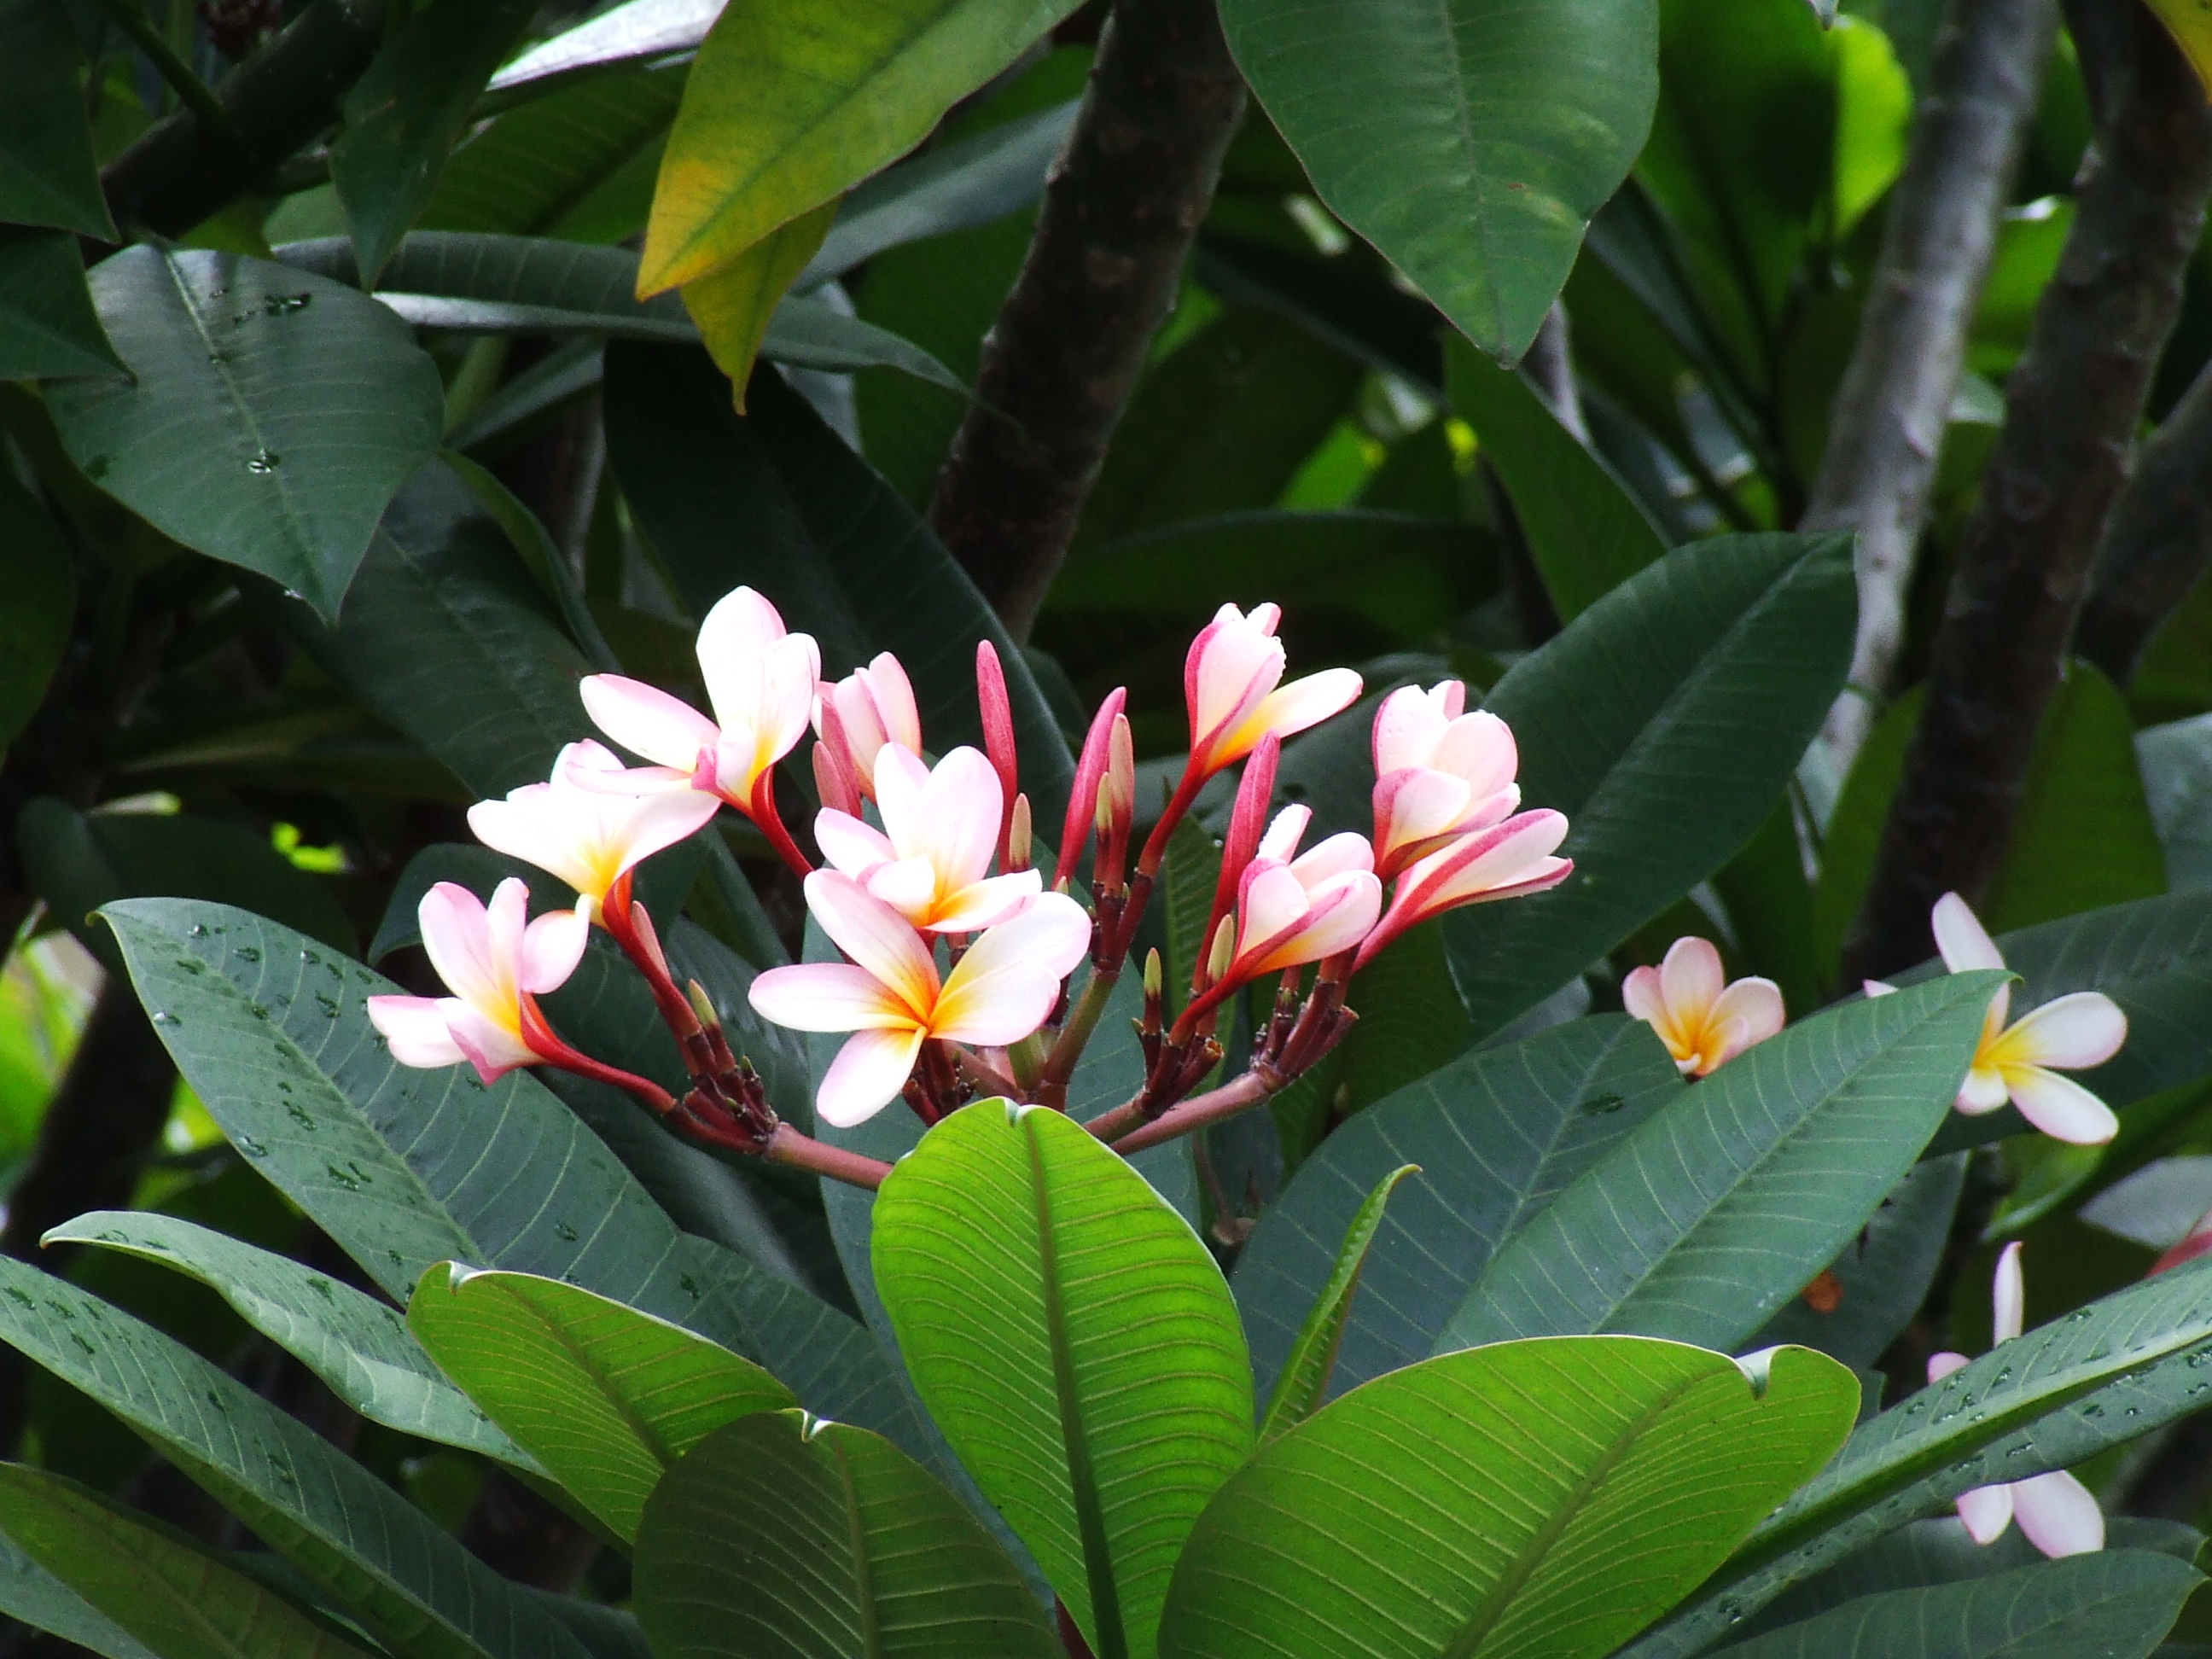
x,y
2190,23
732,304
791,102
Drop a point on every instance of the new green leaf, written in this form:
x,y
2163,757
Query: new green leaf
x,y
1305,1380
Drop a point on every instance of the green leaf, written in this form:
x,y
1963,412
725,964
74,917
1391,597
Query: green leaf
x,y
2177,774
1584,530
29,1593
1304,1382
226,440
831,544
34,625
1714,1212
1495,1136
78,863
604,1396
48,328
818,1540
404,115
1770,910
2119,1368
2114,1603
358,1346
788,106
357,1538
174,1594
1685,697
1469,141
621,35
48,173
732,304
1189,873
1529,1498
1075,1342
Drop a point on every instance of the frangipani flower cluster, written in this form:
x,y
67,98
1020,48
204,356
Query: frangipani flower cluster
x,y
960,968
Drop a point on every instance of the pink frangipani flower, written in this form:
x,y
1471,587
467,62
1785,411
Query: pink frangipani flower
x,y
891,997
493,959
858,714
1703,1020
1440,773
1294,909
931,862
589,825
1232,682
1504,861
2058,1515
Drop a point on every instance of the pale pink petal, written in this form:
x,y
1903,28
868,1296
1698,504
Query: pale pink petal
x,y
1340,855
1413,803
552,945
2008,1295
1294,707
1407,726
506,920
826,996
646,720
1987,1511
1960,936
1940,1365
1877,987
2060,1107
1003,988
529,825
414,1031
1234,663
456,939
2072,1033
1758,1003
1494,858
741,625
850,845
491,1047
2057,1514
1983,1092
1284,834
892,694
1343,913
901,784
657,822
866,1076
909,886
633,781
962,805
984,903
875,936
860,722
1692,975
1271,905
788,672
1640,995
1480,749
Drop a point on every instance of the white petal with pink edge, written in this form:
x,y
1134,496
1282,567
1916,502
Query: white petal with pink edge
x,y
1343,912
491,1048
456,936
1342,854
1003,988
1294,707
2008,1295
849,844
2072,1033
866,1076
908,885
1757,1003
2057,1514
552,945
875,936
1691,976
826,996
957,830
1987,1511
1983,1092
1960,938
414,1030
2060,1107
646,720
987,904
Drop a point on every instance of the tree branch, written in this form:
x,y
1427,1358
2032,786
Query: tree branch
x,y
1895,397
1123,205
2159,543
181,170
2071,408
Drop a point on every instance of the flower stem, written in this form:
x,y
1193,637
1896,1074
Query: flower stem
x,y
1082,1020
761,810
788,1147
1245,1092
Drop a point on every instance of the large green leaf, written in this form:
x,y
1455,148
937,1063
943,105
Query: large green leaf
x,y
1496,1136
1526,1499
47,325
34,625
830,542
31,1594
1664,722
402,117
1584,530
358,1346
271,416
818,1540
1712,1213
175,1594
48,173
2116,1604
2109,1373
1075,1342
361,1543
788,106
604,1396
1469,140
405,1169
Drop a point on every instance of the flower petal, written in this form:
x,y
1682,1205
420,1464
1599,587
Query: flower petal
x,y
826,996
1692,975
1272,906
1757,1003
646,720
1987,1511
850,845
962,805
741,625
909,886
1284,831
1233,664
1005,985
529,825
1641,997
985,903
552,945
1960,936
1940,1365
1479,748
2072,1033
1341,854
1984,1090
866,1076
2057,1514
1343,912
901,785
2060,1107
2008,1295
491,1048
414,1031
875,936
456,936
1408,725
1292,709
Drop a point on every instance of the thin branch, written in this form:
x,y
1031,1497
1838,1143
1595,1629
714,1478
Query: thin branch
x,y
2071,409
1231,1099
192,92
1124,202
2160,541
1895,397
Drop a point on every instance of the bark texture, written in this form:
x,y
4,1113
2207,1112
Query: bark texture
x,y
1119,215
2071,409
1895,396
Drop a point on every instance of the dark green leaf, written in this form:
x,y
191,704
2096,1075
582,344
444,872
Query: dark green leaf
x,y
48,328
1711,1214
819,1541
357,1538
1584,530
1684,698
28,1592
604,1397
230,440
48,174
2177,774
1304,1383
154,1582
1470,141
1495,1136
1770,910
1529,1498
34,625
1075,1342
402,117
